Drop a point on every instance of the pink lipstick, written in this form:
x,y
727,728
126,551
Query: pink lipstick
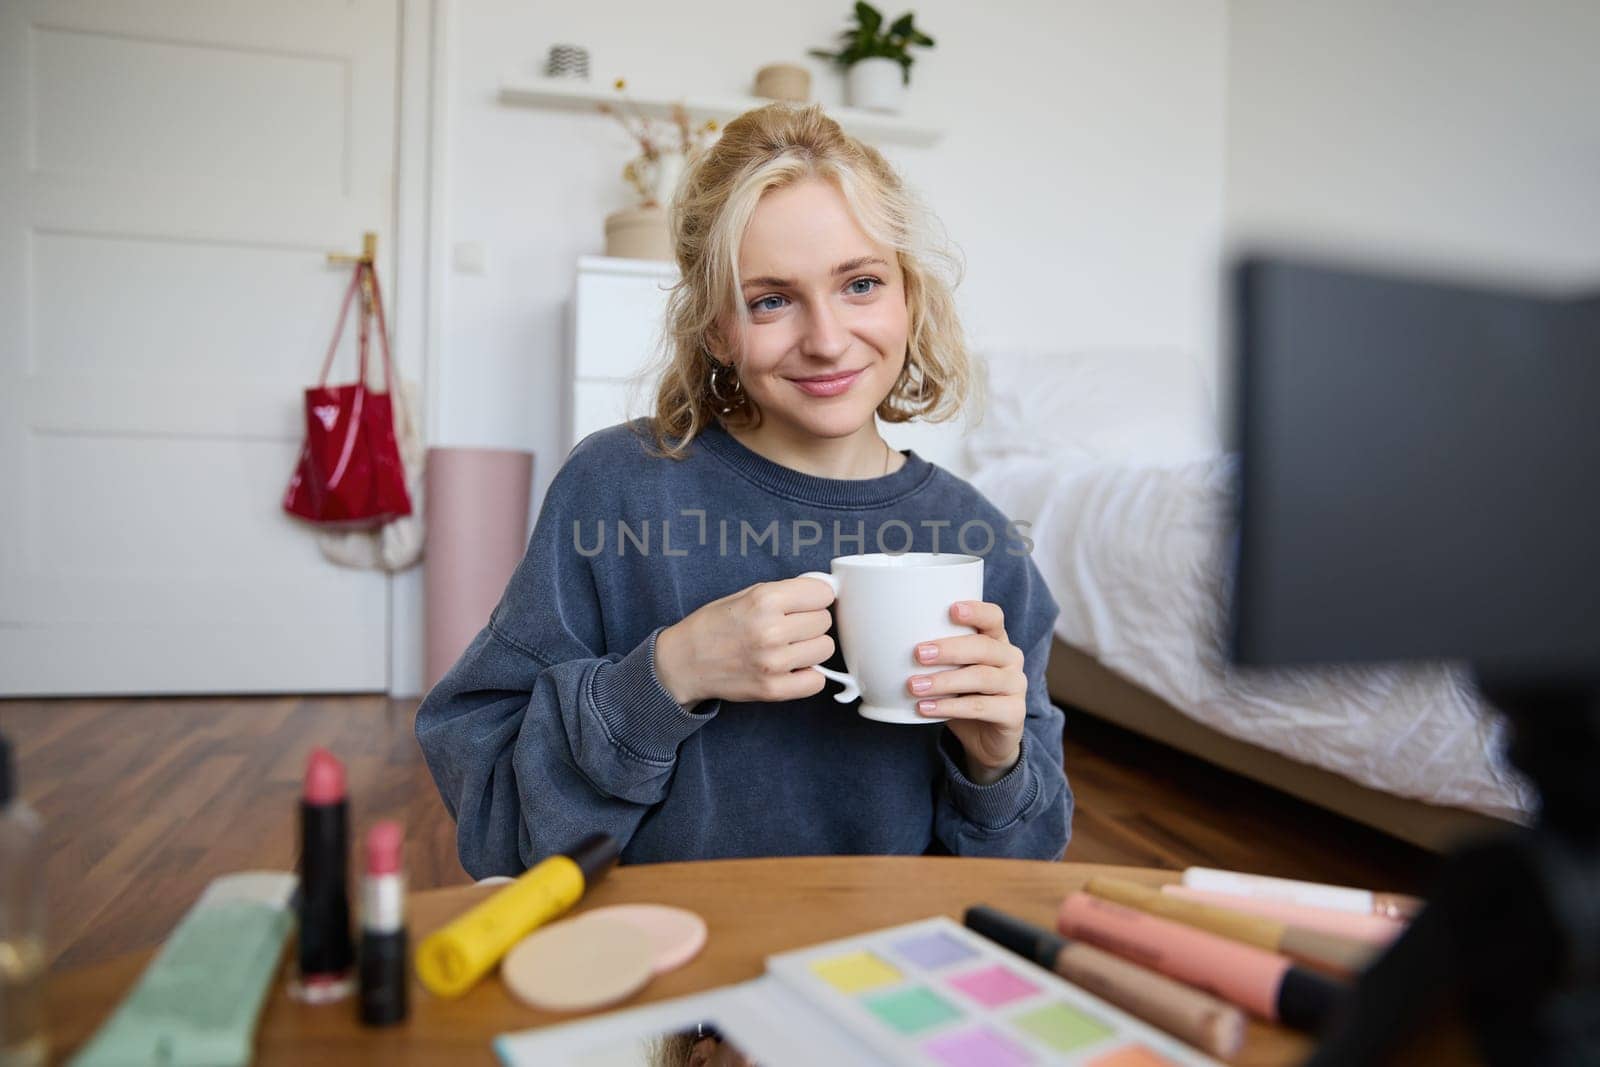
x,y
383,929
830,385
326,952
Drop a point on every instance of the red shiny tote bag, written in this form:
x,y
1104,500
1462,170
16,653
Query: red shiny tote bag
x,y
349,473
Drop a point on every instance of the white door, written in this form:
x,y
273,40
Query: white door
x,y
172,176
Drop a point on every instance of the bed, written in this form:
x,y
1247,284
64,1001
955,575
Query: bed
x,y
1112,459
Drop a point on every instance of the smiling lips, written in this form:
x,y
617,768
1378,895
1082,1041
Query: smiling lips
x,y
827,385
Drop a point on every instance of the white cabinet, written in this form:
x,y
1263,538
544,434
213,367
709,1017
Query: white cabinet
x,y
617,316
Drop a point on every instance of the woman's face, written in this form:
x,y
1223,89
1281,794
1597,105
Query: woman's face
x,y
826,338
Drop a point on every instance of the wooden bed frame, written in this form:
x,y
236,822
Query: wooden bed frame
x,y
1079,680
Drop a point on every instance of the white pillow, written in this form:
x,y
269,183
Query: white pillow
x,y
1137,407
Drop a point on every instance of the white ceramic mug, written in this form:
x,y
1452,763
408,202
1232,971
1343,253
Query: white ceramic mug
x,y
884,607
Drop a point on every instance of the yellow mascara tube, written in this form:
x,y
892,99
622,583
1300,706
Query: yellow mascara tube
x,y
451,960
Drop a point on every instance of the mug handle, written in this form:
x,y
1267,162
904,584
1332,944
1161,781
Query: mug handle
x,y
852,689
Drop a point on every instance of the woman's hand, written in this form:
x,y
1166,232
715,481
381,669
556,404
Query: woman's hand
x,y
984,696
753,645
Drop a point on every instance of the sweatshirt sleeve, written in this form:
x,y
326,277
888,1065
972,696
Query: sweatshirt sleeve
x,y
1027,814
536,737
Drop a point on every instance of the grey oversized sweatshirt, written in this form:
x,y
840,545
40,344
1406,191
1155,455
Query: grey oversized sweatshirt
x,y
553,723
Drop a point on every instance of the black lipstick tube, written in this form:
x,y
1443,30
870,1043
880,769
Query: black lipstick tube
x,y
327,953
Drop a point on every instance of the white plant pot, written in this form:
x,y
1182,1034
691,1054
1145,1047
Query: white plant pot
x,y
876,85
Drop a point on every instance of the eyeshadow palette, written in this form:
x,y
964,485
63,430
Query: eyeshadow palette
x,y
932,992
928,993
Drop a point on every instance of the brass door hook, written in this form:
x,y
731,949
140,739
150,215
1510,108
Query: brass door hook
x,y
369,252
368,256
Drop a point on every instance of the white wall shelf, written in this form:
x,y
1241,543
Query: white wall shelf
x,y
573,95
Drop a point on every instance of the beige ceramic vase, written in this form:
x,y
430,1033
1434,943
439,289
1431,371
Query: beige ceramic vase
x,y
638,233
784,81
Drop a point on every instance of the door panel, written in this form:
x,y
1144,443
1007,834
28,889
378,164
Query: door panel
x,y
172,176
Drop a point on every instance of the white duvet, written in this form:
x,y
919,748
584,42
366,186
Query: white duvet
x,y
1134,557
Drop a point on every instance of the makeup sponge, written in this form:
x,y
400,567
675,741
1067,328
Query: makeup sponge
x,y
578,964
676,936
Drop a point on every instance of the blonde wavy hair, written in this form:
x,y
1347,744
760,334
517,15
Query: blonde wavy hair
x,y
769,148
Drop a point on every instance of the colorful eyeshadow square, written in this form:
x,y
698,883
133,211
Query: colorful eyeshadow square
x,y
976,1048
1062,1028
932,951
1131,1056
855,972
913,1011
994,986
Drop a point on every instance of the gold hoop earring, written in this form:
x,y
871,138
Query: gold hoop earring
x,y
735,398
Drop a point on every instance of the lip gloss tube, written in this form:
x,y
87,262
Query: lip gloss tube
x,y
1263,983
383,929
1341,957
326,953
1310,894
1182,1011
1373,929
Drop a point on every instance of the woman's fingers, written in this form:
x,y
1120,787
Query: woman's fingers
x,y
787,685
799,594
781,658
804,625
809,652
1003,710
969,648
986,618
775,635
783,673
996,681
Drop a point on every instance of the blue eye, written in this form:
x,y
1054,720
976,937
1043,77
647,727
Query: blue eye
x,y
872,283
762,305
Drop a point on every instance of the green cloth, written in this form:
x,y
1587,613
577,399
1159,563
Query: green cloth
x,y
198,1001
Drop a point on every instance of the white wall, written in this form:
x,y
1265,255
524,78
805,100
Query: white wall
x,y
1080,172
1464,134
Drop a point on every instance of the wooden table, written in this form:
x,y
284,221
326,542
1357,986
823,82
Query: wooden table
x,y
754,908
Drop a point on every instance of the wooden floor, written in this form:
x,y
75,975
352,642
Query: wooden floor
x,y
145,801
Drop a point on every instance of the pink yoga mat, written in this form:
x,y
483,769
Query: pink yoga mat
x,y
477,528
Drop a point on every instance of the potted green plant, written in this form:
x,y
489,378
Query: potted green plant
x,y
877,60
